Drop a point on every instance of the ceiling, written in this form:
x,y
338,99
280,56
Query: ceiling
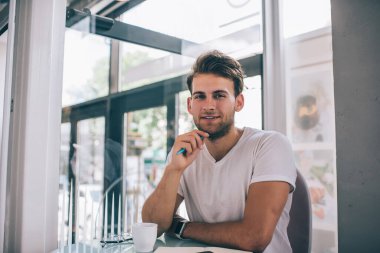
x,y
107,8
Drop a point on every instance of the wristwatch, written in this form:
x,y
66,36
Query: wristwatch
x,y
180,227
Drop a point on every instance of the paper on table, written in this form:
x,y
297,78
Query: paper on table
x,y
196,250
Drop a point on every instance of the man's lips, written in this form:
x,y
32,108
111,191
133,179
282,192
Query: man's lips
x,y
210,117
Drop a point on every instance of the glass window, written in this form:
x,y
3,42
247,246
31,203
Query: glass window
x,y
185,120
88,169
86,67
196,21
251,114
232,26
141,65
144,157
65,149
63,181
86,166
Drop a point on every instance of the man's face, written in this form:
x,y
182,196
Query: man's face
x,y
213,104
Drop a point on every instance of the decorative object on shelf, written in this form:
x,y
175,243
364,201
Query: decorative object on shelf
x,y
307,113
312,107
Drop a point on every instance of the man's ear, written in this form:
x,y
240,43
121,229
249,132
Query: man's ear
x,y
239,102
189,105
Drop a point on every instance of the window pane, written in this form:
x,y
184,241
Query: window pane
x,y
185,120
198,21
141,65
63,182
86,67
144,157
90,151
251,114
232,26
88,169
65,149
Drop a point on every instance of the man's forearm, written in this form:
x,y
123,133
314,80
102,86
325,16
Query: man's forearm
x,y
159,207
229,234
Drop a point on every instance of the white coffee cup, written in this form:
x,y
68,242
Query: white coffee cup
x,y
144,236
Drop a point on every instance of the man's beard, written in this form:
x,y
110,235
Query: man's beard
x,y
221,131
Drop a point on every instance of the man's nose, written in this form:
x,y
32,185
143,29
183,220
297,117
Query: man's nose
x,y
209,104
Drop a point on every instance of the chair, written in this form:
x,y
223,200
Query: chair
x,y
299,228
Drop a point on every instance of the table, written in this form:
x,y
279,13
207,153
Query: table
x,y
162,241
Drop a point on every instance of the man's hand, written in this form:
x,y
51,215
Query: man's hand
x,y
162,204
192,142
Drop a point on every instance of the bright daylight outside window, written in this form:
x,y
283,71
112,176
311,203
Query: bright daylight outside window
x,y
233,27
85,77
310,111
86,67
145,149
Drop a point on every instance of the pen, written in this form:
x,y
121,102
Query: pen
x,y
183,150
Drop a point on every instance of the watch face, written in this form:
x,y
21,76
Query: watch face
x,y
178,227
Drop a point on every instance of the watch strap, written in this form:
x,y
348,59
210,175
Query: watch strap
x,y
180,229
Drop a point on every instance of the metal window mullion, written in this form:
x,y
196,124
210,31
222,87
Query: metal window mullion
x,y
171,102
71,171
274,116
114,71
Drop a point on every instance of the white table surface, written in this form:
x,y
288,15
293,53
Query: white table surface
x,y
163,241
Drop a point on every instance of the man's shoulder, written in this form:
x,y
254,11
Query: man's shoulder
x,y
252,133
264,138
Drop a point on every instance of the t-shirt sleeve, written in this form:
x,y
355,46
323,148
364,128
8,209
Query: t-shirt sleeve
x,y
274,160
180,189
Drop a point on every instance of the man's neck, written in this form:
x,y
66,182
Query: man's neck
x,y
220,147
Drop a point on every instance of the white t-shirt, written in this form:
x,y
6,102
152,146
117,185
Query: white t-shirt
x,y
217,191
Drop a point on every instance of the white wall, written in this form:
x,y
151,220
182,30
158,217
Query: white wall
x,y
3,131
3,50
36,62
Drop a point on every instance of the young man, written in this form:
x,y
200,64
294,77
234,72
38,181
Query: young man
x,y
236,183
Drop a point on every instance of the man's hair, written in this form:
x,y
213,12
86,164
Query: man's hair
x,y
217,63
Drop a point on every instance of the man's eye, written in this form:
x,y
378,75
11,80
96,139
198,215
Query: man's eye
x,y
198,96
219,96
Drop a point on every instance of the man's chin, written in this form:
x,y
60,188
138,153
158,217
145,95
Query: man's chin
x,y
208,129
215,134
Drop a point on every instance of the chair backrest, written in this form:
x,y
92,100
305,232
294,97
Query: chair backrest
x,y
299,228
